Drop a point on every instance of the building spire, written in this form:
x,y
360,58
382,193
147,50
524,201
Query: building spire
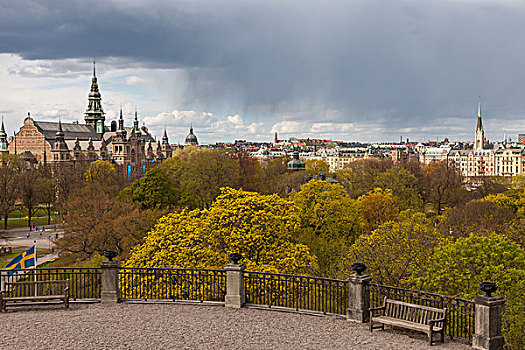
x,y
3,138
2,131
94,113
479,142
479,125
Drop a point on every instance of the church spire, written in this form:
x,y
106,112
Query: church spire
x,y
3,138
479,141
94,113
479,126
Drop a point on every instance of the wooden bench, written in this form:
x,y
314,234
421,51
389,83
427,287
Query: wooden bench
x,y
16,292
421,318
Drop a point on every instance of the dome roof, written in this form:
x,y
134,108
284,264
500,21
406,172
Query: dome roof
x,y
191,139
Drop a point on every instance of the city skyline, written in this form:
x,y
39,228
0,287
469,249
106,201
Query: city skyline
x,y
353,72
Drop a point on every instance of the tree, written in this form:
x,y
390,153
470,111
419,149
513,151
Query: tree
x,y
29,191
257,226
457,268
271,174
327,221
97,223
404,186
377,207
10,169
101,176
250,172
476,217
395,249
442,185
175,167
156,191
208,171
47,194
290,182
486,185
68,179
316,166
361,177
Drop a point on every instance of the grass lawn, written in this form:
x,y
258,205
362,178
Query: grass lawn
x,y
5,259
39,221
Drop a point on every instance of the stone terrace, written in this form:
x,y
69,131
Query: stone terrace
x,y
177,326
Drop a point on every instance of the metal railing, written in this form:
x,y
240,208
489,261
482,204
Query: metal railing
x,y
460,312
296,292
85,283
172,284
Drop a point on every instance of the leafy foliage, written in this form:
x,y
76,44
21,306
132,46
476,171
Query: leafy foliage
x,y
156,191
404,186
378,206
327,221
442,186
259,227
458,268
395,249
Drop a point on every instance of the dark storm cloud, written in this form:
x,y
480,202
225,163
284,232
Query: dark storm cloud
x,y
404,63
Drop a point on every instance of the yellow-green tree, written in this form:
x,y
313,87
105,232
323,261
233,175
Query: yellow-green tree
x,y
327,221
101,176
378,206
358,177
257,226
394,250
404,186
202,173
316,166
457,268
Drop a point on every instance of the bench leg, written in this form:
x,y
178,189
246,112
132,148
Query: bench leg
x,y
66,303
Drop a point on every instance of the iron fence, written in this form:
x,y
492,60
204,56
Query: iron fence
x,y
460,312
296,292
85,283
172,284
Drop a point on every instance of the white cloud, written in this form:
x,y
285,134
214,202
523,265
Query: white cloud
x,y
137,81
290,127
181,118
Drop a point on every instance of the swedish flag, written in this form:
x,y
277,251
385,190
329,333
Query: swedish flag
x,y
23,261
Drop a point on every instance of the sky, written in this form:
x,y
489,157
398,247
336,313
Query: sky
x,y
353,70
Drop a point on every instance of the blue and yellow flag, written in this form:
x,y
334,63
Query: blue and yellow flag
x,y
23,261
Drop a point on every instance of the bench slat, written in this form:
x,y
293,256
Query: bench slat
x,y
405,324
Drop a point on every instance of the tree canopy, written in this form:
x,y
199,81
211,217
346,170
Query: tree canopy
x,y
259,227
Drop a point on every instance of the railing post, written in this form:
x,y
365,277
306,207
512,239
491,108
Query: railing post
x,y
235,294
487,321
110,287
358,296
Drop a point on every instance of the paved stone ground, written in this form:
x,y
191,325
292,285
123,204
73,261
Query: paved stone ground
x,y
176,326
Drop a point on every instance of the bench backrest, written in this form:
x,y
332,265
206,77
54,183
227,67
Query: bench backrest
x,y
27,289
413,312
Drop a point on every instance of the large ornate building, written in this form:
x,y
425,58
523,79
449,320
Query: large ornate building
x,y
57,142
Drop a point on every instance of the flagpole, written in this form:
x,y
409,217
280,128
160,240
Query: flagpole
x,y
34,267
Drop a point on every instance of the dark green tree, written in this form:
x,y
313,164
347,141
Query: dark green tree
x,y
156,191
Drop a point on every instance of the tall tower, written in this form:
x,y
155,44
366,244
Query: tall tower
x,y
480,135
3,138
94,114
166,148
